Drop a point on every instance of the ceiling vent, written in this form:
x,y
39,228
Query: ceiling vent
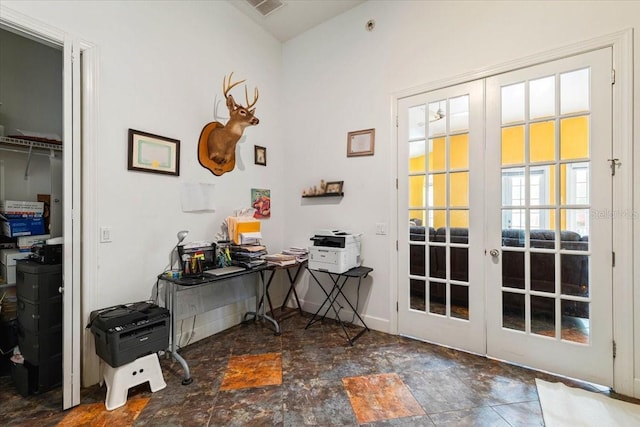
x,y
266,7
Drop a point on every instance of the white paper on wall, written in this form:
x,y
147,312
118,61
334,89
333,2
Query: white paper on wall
x,y
197,197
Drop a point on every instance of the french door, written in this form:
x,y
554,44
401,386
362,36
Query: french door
x,y
441,291
550,267
505,247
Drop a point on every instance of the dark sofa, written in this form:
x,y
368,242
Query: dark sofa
x,y
574,269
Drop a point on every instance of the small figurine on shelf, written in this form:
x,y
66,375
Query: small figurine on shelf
x,y
316,190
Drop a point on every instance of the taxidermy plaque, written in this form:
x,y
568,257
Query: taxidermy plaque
x,y
217,144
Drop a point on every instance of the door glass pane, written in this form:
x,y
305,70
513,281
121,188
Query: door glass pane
x,y
541,224
460,264
417,217
512,103
513,219
513,238
416,260
513,187
513,311
417,300
437,220
542,185
459,218
574,275
438,189
437,261
574,183
459,189
460,302
437,298
574,234
438,214
547,207
542,141
459,114
542,97
513,269
543,272
575,321
437,154
459,153
417,191
543,316
417,158
574,91
512,145
417,122
574,138
437,118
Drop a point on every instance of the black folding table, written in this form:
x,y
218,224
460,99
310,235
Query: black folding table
x,y
293,279
339,280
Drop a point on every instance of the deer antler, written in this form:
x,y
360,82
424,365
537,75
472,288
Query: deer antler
x,y
256,94
227,86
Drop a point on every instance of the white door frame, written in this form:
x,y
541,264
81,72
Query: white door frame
x,y
80,143
622,44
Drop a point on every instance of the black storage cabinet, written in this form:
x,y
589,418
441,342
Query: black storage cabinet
x,y
39,326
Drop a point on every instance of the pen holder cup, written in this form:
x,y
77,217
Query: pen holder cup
x,y
192,267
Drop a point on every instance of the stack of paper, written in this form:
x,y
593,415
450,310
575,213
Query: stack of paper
x,y
280,259
247,256
301,254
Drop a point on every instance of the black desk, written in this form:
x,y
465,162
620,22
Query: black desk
x,y
174,286
293,278
336,290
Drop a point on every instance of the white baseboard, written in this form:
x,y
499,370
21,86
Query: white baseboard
x,y
636,388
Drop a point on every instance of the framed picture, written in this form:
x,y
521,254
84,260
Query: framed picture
x,y
261,202
361,142
153,153
334,187
260,155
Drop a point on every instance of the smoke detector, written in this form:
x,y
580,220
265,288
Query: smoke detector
x,y
266,7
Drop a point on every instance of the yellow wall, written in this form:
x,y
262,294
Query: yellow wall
x,y
459,181
574,144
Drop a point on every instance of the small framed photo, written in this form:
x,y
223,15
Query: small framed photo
x,y
334,187
260,155
361,142
153,153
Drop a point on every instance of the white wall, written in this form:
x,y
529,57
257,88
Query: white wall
x,y
160,67
342,78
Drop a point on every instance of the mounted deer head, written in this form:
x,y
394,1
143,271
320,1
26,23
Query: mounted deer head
x,y
221,140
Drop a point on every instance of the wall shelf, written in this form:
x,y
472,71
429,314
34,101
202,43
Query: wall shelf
x,y
30,144
29,147
323,195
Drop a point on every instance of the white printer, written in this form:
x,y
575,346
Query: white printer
x,y
334,251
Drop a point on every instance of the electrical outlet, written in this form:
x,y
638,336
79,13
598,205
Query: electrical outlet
x,y
381,228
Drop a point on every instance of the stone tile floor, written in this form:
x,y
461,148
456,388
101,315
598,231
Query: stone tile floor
x,y
247,376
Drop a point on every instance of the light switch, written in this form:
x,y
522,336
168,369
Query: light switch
x,y
105,234
381,228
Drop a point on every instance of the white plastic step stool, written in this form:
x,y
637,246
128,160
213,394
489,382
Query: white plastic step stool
x,y
119,380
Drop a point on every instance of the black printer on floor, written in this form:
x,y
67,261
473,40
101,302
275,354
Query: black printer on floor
x,y
126,332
